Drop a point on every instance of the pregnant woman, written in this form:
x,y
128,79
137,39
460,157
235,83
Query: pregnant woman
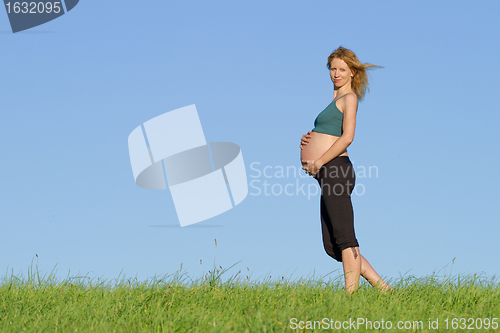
x,y
324,156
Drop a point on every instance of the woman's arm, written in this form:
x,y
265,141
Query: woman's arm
x,y
348,126
341,144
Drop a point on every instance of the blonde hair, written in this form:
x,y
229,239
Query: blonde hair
x,y
359,83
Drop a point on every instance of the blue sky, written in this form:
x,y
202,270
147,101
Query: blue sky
x,y
74,88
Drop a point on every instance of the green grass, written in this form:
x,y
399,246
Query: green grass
x,y
176,303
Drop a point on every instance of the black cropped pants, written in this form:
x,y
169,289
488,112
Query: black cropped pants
x,y
336,179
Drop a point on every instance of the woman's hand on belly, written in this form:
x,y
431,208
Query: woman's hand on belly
x,y
311,167
305,139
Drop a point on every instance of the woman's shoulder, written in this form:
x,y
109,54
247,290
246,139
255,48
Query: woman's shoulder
x,y
350,98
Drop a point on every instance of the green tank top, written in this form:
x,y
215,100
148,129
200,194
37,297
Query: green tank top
x,y
330,120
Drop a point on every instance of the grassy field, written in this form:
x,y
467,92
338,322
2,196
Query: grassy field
x,y
177,303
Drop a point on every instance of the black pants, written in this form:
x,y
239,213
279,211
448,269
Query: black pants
x,y
336,179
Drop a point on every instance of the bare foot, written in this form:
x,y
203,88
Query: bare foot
x,y
386,289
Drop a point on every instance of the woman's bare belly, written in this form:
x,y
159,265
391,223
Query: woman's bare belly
x,y
317,146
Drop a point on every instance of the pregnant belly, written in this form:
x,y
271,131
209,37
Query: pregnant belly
x,y
317,146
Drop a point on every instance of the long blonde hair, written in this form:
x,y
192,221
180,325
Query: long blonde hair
x,y
359,82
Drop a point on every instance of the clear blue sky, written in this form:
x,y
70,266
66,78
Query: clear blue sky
x,y
73,89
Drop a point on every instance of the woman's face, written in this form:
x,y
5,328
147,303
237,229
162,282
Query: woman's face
x,y
340,73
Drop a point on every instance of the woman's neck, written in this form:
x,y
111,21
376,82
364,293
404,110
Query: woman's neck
x,y
341,91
